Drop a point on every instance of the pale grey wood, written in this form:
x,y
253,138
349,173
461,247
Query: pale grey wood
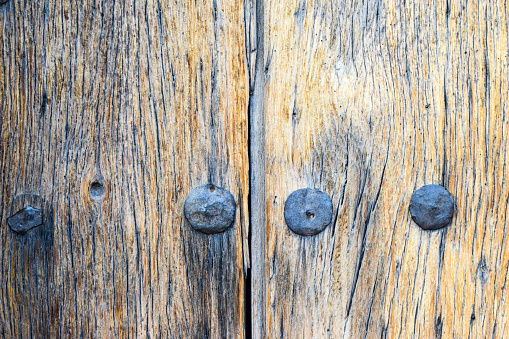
x,y
258,205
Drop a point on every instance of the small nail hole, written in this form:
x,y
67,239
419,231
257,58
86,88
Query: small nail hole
x,y
212,188
310,215
97,190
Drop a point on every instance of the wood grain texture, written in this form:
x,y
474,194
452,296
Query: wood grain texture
x,y
257,176
367,101
150,98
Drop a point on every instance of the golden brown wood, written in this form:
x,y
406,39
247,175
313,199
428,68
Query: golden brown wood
x,y
367,101
150,98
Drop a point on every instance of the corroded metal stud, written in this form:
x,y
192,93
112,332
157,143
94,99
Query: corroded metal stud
x,y
25,219
308,211
210,209
432,207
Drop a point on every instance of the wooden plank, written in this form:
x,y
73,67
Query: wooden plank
x,y
150,99
367,101
258,189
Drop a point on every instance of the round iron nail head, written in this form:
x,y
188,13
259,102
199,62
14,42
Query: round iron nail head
x,y
25,219
308,211
210,209
432,207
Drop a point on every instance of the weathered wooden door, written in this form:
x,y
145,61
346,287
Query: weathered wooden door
x,y
115,113
112,112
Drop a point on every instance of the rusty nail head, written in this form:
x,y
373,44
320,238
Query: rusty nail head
x,y
432,207
25,219
210,209
308,211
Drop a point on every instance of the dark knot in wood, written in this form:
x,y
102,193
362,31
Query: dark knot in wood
x,y
96,190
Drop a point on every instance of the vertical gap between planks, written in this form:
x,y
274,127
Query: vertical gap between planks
x,y
257,175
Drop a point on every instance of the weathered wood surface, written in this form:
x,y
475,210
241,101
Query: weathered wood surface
x,y
149,98
368,101
257,177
